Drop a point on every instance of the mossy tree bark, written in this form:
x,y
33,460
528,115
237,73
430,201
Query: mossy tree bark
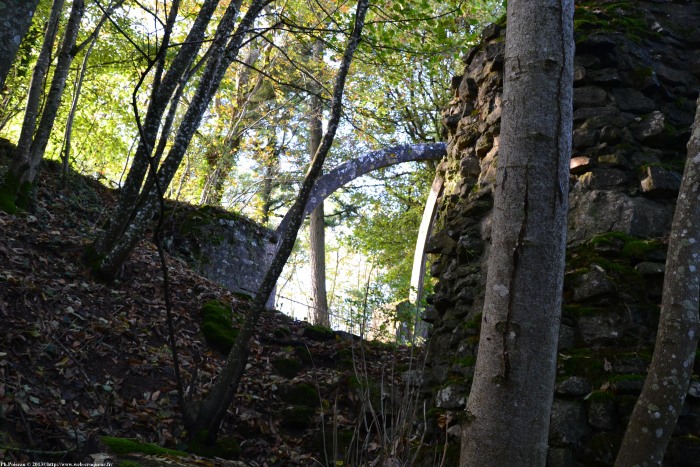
x,y
211,411
16,17
508,410
656,411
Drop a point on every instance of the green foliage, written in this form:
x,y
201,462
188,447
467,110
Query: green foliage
x,y
217,326
130,446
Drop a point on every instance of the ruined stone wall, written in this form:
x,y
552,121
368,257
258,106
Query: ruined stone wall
x,y
224,247
637,71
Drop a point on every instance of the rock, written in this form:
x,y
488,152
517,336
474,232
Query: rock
x,y
567,337
589,96
584,137
567,424
559,457
647,268
603,179
650,128
451,397
580,164
694,389
613,160
631,100
596,211
660,181
573,386
592,284
602,415
601,328
606,76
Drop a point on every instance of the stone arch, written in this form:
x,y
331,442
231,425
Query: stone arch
x,y
369,162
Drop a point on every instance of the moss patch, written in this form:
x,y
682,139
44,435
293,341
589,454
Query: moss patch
x,y
319,333
217,326
297,417
226,447
287,367
301,394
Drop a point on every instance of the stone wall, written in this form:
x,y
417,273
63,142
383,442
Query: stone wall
x,y
637,71
224,247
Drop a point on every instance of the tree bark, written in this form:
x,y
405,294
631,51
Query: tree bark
x,y
317,221
16,17
27,170
508,411
656,411
212,410
161,98
13,192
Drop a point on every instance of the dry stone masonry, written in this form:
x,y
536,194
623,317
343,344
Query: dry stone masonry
x,y
637,72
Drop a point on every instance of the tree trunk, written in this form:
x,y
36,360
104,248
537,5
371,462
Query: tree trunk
x,y
13,192
161,97
656,412
212,410
508,411
115,250
27,170
16,17
317,221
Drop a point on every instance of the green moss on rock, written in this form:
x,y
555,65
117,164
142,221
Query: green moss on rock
x,y
297,417
226,447
300,394
318,333
287,367
217,326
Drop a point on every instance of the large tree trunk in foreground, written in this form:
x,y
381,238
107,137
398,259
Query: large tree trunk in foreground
x,y
16,17
212,410
656,412
508,411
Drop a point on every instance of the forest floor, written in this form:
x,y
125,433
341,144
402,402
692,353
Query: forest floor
x,y
80,359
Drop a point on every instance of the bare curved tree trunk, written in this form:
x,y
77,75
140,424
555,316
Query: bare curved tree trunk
x,y
16,17
508,411
656,412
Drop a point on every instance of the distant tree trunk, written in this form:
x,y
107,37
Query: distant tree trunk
x,y
656,412
212,410
508,411
16,17
14,192
317,221
109,255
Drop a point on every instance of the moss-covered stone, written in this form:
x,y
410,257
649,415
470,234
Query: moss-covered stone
x,y
297,417
131,446
300,394
318,333
287,367
217,326
226,447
